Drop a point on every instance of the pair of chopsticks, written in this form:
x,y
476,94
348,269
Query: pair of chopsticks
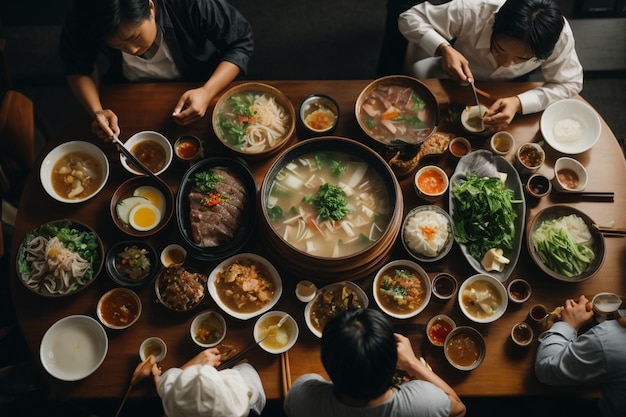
x,y
609,232
135,161
599,196
285,372
238,357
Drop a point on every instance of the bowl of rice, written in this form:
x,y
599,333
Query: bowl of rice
x,y
570,126
427,233
254,120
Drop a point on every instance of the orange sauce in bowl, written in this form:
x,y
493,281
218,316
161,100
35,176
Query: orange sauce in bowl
x,y
431,182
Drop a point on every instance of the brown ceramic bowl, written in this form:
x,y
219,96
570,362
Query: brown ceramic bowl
x,y
129,194
266,147
180,289
374,118
346,256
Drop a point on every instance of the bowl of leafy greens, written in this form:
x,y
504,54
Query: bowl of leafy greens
x,y
564,244
254,120
488,209
59,258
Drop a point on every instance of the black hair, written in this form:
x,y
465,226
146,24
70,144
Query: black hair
x,y
103,17
359,353
537,22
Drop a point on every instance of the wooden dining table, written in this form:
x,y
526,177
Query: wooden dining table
x,y
507,369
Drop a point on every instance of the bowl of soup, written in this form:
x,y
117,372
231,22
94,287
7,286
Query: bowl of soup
x,y
152,149
119,308
465,348
208,329
272,335
570,126
397,111
402,289
245,285
254,120
141,206
331,209
331,300
74,171
483,298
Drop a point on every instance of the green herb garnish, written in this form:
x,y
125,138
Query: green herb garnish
x,y
330,202
206,181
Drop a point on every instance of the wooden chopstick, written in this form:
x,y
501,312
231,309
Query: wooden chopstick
x,y
238,357
601,196
285,372
483,93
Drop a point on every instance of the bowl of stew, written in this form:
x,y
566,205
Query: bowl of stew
x,y
179,288
119,308
397,111
245,285
402,289
131,263
208,329
152,148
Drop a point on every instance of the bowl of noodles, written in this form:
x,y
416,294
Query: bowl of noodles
x,y
254,120
59,258
397,111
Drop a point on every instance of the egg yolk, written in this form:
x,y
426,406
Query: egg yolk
x,y
145,217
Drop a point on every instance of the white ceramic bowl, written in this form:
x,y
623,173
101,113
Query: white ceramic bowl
x,y
459,146
215,326
280,340
424,176
438,328
389,270
477,341
148,135
73,348
474,111
48,163
119,304
273,275
566,163
498,298
334,288
579,119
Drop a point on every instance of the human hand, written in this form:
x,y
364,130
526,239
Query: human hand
x,y
191,106
455,65
105,125
407,361
577,313
211,357
501,113
145,369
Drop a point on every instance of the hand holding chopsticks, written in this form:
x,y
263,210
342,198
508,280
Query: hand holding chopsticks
x,y
142,371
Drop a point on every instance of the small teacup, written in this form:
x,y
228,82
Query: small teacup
x,y
153,346
501,143
522,334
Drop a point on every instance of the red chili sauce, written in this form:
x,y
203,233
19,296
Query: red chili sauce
x,y
431,182
187,149
519,291
458,148
439,331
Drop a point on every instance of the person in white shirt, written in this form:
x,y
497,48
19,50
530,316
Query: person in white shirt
x,y
497,40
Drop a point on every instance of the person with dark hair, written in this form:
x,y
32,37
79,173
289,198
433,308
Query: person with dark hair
x,y
361,353
150,40
597,356
496,40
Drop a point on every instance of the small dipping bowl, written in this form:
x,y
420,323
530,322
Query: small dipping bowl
x,y
529,158
188,150
522,334
518,290
438,329
501,143
431,183
444,286
173,254
305,291
538,314
319,114
605,304
459,147
472,119
153,346
569,175
538,186
208,329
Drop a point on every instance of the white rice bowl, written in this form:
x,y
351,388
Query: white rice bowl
x,y
427,233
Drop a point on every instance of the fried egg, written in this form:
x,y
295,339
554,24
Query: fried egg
x,y
154,195
144,217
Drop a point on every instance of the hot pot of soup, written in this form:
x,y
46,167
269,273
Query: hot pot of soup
x,y
331,209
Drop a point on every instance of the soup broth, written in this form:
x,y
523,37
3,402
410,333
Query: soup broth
x,y
76,175
245,286
393,112
400,290
481,299
151,154
463,349
297,208
277,337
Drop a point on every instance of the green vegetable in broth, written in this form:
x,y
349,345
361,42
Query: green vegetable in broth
x,y
331,202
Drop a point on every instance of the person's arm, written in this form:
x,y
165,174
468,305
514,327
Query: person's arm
x,y
193,104
408,362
